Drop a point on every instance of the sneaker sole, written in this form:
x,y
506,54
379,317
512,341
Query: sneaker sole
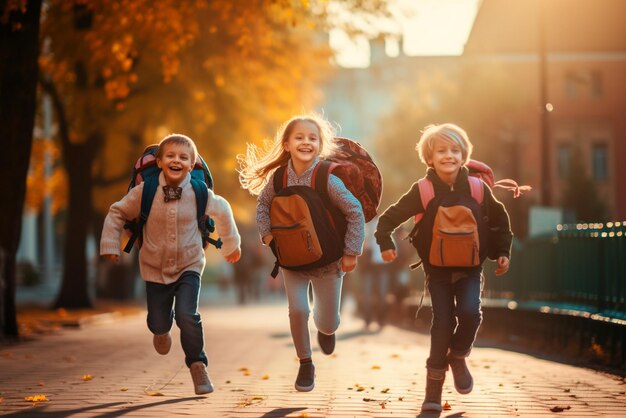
x,y
304,388
464,391
432,406
204,391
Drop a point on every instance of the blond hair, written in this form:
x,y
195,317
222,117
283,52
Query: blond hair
x,y
178,139
447,132
256,166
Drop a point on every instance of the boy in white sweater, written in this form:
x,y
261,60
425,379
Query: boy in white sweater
x,y
171,258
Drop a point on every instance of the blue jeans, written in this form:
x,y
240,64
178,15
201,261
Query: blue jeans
x,y
178,300
455,299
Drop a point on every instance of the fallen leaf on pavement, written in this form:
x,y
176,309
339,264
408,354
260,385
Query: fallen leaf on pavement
x,y
87,377
153,393
36,398
375,367
385,390
251,401
446,406
265,376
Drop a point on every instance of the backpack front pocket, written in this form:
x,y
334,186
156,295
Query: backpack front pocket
x,y
454,248
296,244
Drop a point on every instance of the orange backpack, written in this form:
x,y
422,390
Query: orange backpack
x,y
453,230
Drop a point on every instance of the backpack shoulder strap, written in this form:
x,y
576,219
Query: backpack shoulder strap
x,y
477,189
202,195
280,178
427,193
205,223
150,186
320,177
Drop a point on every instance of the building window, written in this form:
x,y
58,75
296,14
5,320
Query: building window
x,y
564,160
596,84
599,155
583,83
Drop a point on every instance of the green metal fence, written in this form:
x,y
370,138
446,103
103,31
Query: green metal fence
x,y
581,266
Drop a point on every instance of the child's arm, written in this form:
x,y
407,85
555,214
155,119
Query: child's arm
x,y
127,208
263,205
219,209
500,235
349,205
408,205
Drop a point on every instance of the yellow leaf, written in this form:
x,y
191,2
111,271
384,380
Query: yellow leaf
x,y
385,390
153,393
265,377
86,377
36,398
375,367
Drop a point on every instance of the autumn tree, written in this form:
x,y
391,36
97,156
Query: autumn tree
x,y
19,49
227,71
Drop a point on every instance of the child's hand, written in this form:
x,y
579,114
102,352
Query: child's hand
x,y
389,255
348,263
503,265
267,239
111,257
234,256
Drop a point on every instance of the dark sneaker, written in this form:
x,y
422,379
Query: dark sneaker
x,y
434,387
201,382
162,343
326,342
305,382
463,381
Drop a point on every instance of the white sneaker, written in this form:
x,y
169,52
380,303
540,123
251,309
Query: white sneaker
x,y
201,382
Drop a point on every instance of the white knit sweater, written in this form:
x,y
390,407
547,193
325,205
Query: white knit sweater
x,y
172,243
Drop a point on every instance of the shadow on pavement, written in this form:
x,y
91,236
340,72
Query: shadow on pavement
x,y
281,412
42,412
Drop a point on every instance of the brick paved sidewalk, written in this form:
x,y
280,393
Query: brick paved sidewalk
x,y
253,365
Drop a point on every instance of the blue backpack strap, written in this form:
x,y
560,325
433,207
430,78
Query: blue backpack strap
x,y
205,223
147,196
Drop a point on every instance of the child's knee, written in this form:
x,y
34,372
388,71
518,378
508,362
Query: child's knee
x,y
298,314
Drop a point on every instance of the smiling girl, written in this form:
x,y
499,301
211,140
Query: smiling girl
x,y
299,144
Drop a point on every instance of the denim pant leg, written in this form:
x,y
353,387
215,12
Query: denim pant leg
x,y
443,322
468,312
188,318
160,301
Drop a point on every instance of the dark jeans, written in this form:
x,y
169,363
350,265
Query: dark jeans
x,y
455,299
178,300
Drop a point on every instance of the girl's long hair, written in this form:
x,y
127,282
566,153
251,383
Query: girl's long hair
x,y
256,166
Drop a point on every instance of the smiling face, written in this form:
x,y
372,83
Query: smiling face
x,y
176,161
446,159
303,144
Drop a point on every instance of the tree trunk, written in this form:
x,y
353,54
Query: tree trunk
x,y
19,50
79,160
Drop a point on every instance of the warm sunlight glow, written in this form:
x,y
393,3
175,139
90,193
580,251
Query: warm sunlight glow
x,y
430,27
